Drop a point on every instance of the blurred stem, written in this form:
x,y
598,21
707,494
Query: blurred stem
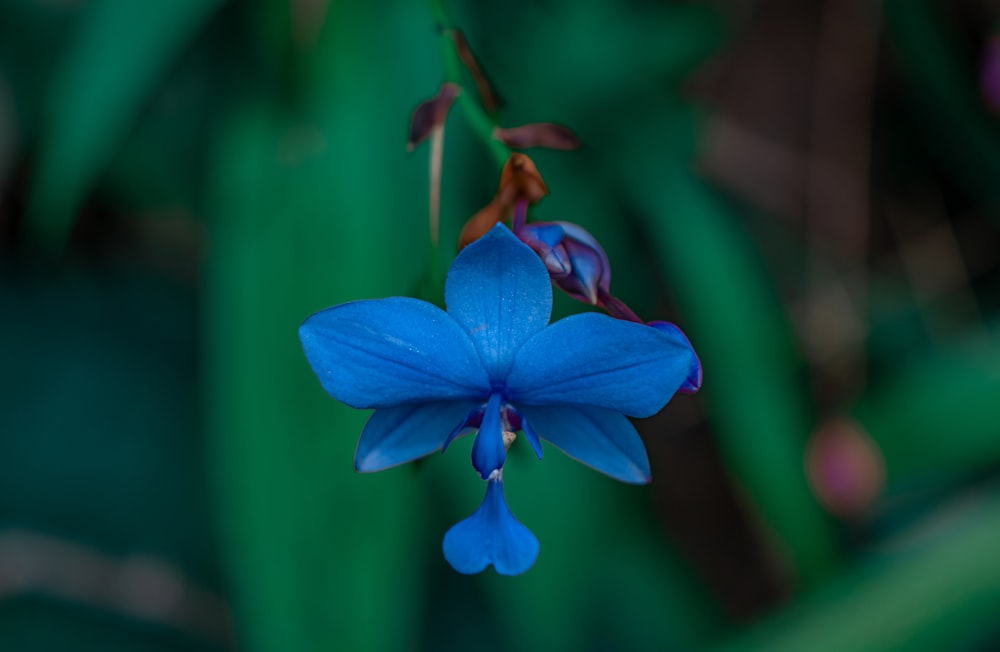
x,y
437,152
480,122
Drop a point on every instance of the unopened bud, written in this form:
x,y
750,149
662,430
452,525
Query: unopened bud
x,y
575,260
520,180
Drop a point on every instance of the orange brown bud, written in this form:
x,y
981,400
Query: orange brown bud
x,y
520,180
482,221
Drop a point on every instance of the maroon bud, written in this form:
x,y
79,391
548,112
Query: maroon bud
x,y
431,114
537,134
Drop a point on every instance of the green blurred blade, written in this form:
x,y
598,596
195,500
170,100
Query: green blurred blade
x,y
120,52
936,589
938,415
315,202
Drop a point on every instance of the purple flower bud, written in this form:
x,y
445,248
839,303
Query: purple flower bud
x,y
575,260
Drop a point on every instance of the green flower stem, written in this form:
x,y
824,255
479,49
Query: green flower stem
x,y
481,123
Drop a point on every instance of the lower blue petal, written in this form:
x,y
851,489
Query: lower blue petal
x,y
399,434
602,439
488,452
491,536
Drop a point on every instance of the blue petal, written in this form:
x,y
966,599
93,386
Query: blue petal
x,y
602,439
488,452
598,361
491,536
388,352
399,434
499,292
693,382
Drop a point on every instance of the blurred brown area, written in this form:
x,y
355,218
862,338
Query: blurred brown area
x,y
809,126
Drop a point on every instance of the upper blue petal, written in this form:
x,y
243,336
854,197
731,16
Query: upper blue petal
x,y
598,361
491,536
388,352
395,435
499,292
602,439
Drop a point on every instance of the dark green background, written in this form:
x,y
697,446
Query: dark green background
x,y
182,182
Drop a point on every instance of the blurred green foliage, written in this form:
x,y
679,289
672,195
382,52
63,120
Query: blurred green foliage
x,y
183,182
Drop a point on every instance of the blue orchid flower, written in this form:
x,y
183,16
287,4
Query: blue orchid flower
x,y
493,362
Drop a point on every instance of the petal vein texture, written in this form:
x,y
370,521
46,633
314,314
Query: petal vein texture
x,y
499,292
594,360
604,440
395,435
388,352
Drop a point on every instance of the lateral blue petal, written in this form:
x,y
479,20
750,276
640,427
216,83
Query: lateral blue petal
x,y
395,435
388,352
602,439
594,360
499,291
488,451
491,536
693,382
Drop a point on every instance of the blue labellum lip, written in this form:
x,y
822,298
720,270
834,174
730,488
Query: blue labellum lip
x,y
491,536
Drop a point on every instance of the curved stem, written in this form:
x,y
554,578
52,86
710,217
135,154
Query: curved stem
x,y
480,122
